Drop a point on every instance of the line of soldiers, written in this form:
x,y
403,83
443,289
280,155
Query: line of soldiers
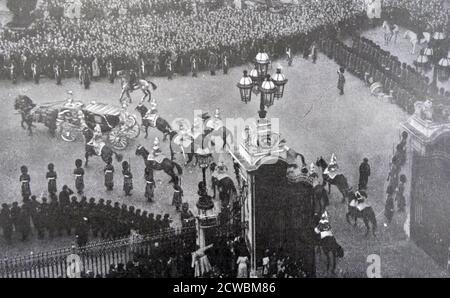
x,y
370,63
67,214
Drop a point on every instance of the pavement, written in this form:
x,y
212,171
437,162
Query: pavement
x,y
312,117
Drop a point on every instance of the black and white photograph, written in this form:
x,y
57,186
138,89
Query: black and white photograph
x,y
224,139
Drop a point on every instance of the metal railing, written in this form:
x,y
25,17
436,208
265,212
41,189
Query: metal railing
x,y
96,257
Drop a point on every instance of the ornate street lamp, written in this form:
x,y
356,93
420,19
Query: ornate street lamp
x,y
268,90
421,62
245,86
443,69
428,52
262,64
280,81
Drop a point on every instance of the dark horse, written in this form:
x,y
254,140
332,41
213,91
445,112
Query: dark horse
x,y
161,124
165,165
29,113
339,180
106,153
225,185
331,249
367,215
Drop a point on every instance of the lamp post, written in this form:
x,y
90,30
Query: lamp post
x,y
262,83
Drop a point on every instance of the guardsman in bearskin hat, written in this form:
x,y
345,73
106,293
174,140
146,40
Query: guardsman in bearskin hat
x,y
51,179
25,182
149,184
127,178
109,175
79,176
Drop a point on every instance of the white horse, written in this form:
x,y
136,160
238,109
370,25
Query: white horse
x,y
413,38
144,85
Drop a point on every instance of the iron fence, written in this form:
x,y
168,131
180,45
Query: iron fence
x,y
96,257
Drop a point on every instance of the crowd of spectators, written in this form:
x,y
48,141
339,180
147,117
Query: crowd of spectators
x,y
130,38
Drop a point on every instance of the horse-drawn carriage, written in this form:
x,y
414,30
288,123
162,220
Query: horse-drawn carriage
x,y
69,119
73,116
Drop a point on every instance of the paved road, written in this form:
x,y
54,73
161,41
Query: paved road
x,y
312,117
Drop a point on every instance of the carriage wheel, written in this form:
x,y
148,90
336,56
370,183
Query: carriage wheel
x,y
68,133
134,129
118,140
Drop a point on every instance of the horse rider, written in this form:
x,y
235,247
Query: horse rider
x,y
324,227
156,153
332,168
360,201
216,122
152,113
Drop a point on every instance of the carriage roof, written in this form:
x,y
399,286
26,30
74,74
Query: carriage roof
x,y
102,109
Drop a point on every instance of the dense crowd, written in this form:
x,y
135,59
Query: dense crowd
x,y
133,40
